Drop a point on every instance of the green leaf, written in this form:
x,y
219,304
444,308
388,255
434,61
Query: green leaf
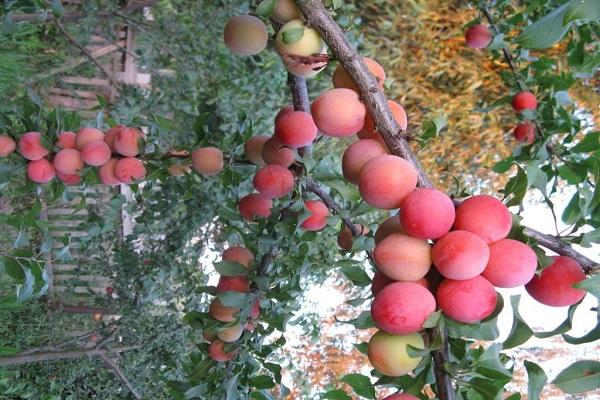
x,y
363,321
336,394
262,382
586,10
233,299
228,268
360,384
589,143
537,379
590,285
545,31
503,165
520,331
565,326
579,377
589,337
433,320
572,211
431,128
357,275
266,7
292,35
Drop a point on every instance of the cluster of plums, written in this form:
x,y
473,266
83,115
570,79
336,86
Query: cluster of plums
x,y
230,316
478,37
115,153
466,247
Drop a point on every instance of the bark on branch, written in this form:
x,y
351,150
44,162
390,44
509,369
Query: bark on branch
x,y
372,95
121,375
75,15
62,355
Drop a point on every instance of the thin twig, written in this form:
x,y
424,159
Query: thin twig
x,y
115,368
87,53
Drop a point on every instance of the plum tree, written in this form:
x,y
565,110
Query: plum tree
x,y
68,161
460,255
512,264
389,355
341,79
484,216
66,140
107,172
86,135
402,257
274,181
524,101
554,286
427,213
30,146
126,141
275,152
467,301
255,205
318,213
207,161
369,130
478,36
525,132
40,171
402,307
96,153
357,155
216,351
245,35
7,145
338,112
129,169
253,149
385,181
296,129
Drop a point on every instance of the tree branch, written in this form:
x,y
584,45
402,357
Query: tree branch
x,y
120,374
372,95
87,53
61,355
72,16
555,244
313,186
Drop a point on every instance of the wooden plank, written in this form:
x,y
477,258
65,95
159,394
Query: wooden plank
x,y
81,290
80,80
47,256
66,211
73,234
83,94
72,103
64,268
57,223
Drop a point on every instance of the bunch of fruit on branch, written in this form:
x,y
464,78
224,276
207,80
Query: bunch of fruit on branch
x,y
117,156
479,36
431,254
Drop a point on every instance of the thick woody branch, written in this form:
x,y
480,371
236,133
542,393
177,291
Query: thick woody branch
x,y
73,16
61,355
372,95
555,244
